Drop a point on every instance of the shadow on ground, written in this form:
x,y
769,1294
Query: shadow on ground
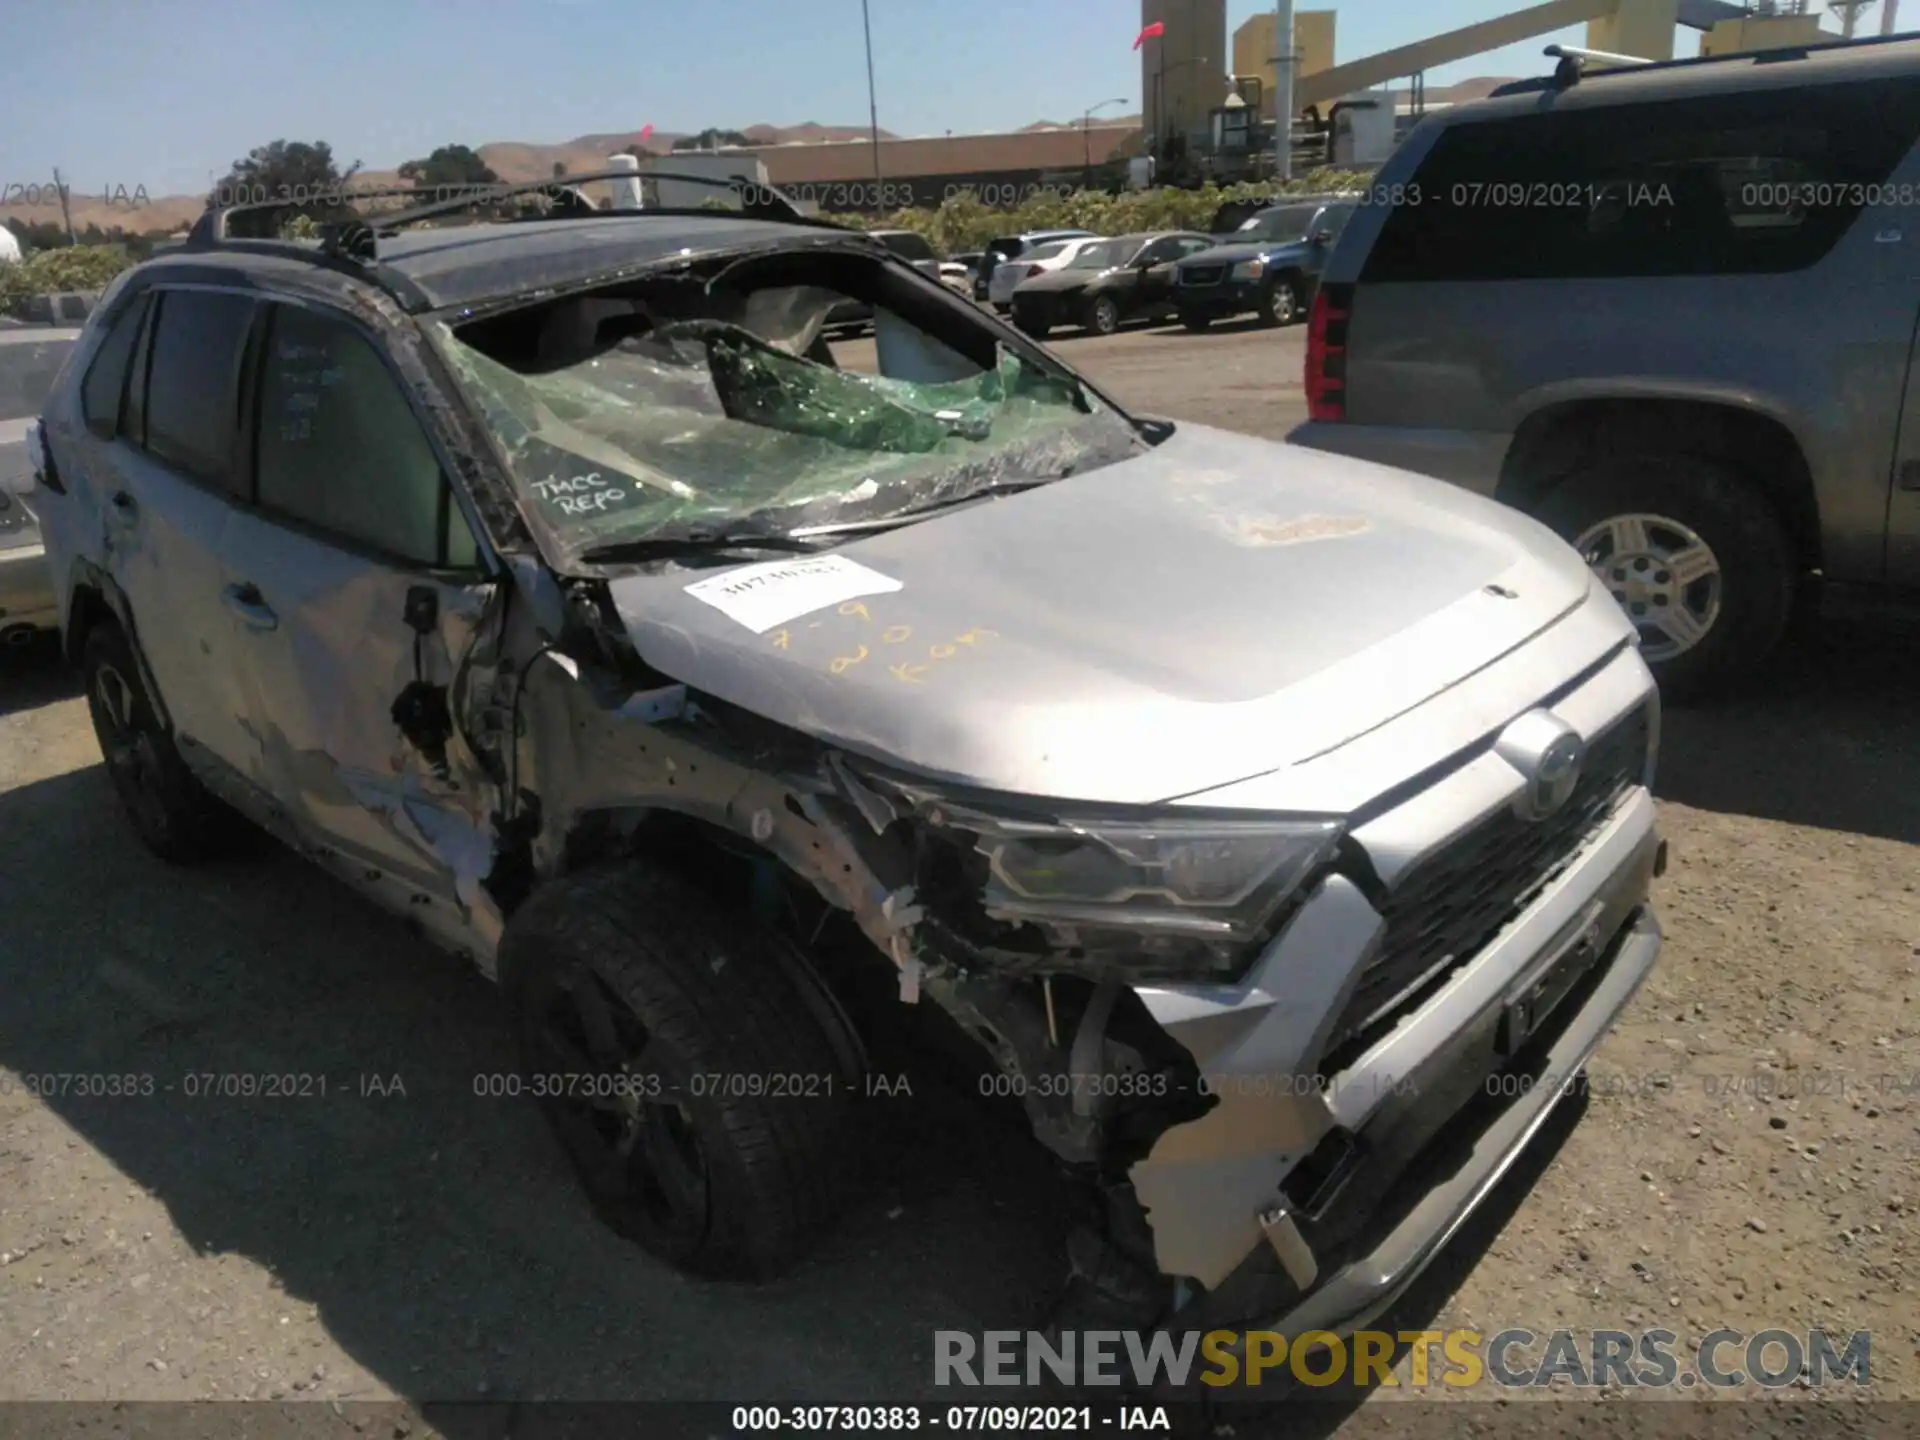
x,y
1828,737
35,674
437,1231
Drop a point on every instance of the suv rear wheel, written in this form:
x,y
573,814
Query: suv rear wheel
x,y
697,1076
171,812
1696,558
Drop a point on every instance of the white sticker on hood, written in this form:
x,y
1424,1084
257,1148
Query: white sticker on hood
x,y
763,596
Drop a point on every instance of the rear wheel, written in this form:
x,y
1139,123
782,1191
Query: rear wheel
x,y
1103,318
695,1074
171,812
1695,556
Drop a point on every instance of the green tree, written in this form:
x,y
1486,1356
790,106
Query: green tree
x,y
291,177
449,165
72,267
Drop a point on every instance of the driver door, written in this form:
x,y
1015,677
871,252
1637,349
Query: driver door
x,y
357,589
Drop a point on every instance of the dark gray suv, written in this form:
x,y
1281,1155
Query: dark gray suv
x,y
1669,310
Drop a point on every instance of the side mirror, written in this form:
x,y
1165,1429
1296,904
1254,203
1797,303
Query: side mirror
x,y
1323,237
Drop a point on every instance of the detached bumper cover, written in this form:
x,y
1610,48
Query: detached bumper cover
x,y
1463,1163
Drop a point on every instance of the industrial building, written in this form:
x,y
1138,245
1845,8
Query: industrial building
x,y
1207,99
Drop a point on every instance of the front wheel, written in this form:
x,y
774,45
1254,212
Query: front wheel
x,y
1280,302
1694,555
1104,316
697,1076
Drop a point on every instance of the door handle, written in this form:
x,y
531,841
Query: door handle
x,y
245,600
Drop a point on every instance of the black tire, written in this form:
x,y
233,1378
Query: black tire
x,y
172,813
717,1180
1280,302
1103,316
1033,329
1757,572
1195,321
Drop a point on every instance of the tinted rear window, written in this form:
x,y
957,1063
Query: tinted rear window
x,y
1755,182
26,376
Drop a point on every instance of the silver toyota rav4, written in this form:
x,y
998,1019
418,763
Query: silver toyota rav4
x,y
1275,825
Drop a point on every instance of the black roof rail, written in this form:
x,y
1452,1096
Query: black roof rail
x,y
357,237
351,245
1571,70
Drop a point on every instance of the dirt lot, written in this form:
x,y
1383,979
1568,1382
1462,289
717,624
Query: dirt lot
x,y
401,1237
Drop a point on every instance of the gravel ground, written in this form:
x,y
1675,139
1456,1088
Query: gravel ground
x,y
1749,1158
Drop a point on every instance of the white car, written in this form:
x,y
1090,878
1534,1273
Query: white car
x,y
1041,250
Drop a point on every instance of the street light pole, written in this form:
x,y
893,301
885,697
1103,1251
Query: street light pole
x,y
873,105
1283,90
1086,139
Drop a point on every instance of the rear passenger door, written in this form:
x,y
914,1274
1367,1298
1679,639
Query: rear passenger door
x,y
162,452
358,588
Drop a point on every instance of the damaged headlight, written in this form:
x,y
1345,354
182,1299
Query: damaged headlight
x,y
1183,895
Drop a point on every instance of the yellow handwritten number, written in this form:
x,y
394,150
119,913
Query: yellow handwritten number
x,y
843,663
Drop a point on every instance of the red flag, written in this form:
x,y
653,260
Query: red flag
x,y
646,130
1156,29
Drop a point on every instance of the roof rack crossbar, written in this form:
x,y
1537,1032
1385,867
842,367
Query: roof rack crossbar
x,y
349,237
1572,60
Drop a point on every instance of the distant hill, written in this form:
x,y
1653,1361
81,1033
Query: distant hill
x,y
511,160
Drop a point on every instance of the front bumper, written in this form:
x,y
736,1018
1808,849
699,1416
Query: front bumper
x,y
1228,297
1334,1164
26,590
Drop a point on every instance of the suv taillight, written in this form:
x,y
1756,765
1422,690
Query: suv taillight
x,y
1326,377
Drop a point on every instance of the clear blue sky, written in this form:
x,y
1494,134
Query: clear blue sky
x,y
160,92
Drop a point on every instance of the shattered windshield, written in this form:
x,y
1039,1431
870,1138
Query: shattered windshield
x,y
1280,226
695,423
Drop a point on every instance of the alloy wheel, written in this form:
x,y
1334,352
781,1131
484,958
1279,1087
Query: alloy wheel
x,y
1664,576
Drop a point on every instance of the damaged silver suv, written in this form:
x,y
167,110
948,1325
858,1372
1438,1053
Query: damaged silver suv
x,y
1277,825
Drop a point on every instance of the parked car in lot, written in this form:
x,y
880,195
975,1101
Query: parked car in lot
x,y
1036,261
1105,284
909,245
1007,249
1693,361
960,270
531,578
1269,266
30,358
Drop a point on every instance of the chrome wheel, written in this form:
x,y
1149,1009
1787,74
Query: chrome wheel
x,y
1280,304
1664,576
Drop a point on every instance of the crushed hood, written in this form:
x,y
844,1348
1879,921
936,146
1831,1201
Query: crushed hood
x,y
1214,609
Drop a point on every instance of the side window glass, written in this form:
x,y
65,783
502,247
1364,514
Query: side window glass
x,y
191,409
106,378
340,449
1195,246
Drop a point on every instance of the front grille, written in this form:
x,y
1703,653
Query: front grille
x,y
1202,274
1450,907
